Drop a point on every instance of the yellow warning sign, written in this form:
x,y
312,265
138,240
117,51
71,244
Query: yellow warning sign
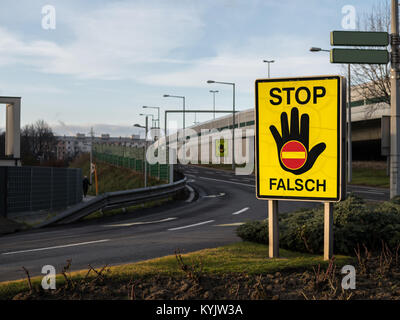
x,y
221,150
300,132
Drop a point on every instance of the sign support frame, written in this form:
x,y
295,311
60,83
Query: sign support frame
x,y
273,225
328,230
273,229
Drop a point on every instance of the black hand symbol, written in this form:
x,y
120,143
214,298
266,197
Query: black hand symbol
x,y
295,134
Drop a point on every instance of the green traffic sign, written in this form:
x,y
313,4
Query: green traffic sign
x,y
359,56
359,38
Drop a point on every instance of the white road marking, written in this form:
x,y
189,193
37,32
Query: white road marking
x,y
191,196
241,211
138,223
191,225
221,194
57,247
372,192
252,185
235,224
243,184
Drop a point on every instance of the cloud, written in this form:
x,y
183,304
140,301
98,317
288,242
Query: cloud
x,y
145,41
113,42
61,128
243,64
24,88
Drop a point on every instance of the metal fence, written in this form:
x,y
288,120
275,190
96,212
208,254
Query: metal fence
x,y
120,150
159,171
119,199
26,189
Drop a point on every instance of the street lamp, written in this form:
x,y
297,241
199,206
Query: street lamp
x,y
180,97
269,62
145,147
233,118
158,110
316,49
150,115
349,143
214,92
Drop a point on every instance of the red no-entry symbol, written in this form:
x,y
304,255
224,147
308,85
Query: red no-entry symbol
x,y
293,155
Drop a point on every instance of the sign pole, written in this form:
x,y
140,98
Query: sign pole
x,y
349,143
145,151
328,230
394,103
273,228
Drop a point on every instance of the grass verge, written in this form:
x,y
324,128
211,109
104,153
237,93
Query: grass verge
x,y
112,178
370,177
109,213
368,174
238,258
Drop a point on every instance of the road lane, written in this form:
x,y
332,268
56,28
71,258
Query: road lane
x,y
56,247
191,225
144,233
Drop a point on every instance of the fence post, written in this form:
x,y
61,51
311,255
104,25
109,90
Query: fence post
x,y
3,191
51,189
68,183
30,191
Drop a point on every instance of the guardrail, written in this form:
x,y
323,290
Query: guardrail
x,y
114,200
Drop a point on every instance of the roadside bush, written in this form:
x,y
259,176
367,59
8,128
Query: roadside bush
x,y
254,231
355,223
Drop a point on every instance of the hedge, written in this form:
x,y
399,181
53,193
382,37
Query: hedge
x,y
355,223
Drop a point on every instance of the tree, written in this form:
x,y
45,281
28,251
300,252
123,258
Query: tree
x,y
38,143
372,81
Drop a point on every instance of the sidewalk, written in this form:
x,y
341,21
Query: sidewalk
x,y
9,226
17,221
88,198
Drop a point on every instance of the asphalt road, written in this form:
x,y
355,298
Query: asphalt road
x,y
223,201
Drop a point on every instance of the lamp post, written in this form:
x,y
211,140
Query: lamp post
x,y
349,143
158,116
145,148
195,119
184,114
150,115
214,92
233,118
180,97
91,154
269,62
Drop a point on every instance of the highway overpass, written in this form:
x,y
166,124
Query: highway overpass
x,y
365,119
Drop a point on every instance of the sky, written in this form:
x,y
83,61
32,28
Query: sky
x,y
105,59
